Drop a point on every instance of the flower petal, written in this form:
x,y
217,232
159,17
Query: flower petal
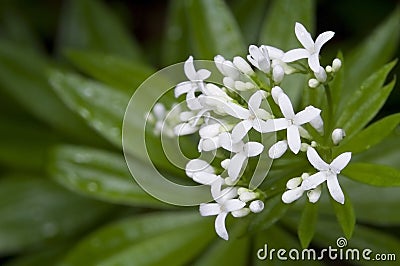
x,y
293,138
291,195
286,106
189,69
273,125
305,116
278,149
322,39
209,144
294,182
340,162
220,226
182,88
295,54
198,165
236,164
240,130
260,125
209,131
192,102
313,181
313,62
202,74
255,100
253,148
334,189
208,209
236,110
233,205
318,124
304,36
226,142
276,92
314,194
273,52
184,129
205,178
315,160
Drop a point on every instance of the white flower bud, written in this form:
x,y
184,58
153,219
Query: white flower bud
x,y
278,73
294,182
313,83
328,69
305,175
243,66
336,64
241,213
314,194
242,190
314,144
248,196
243,86
337,135
229,181
304,146
256,206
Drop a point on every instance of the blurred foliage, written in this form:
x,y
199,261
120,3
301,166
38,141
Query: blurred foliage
x,y
67,69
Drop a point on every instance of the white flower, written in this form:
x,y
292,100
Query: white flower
x,y
291,121
195,83
337,135
197,166
226,67
209,137
242,152
225,203
278,149
253,117
327,172
258,57
311,49
214,98
276,56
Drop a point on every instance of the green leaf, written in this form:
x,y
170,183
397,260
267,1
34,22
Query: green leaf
x,y
274,209
22,76
99,174
372,53
249,24
175,45
336,86
115,71
90,25
235,251
213,29
101,106
153,239
307,223
278,27
42,210
46,257
366,101
373,174
345,216
18,151
370,136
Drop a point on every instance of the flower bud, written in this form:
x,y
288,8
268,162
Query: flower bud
x,y
313,83
293,182
337,135
336,64
243,66
256,206
241,213
248,196
320,75
278,73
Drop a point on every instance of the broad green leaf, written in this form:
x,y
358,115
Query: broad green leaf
x,y
249,24
345,215
24,143
278,27
378,241
115,71
308,220
337,85
235,251
22,76
99,174
101,106
35,211
370,136
90,25
373,174
372,53
175,45
45,257
153,239
274,209
365,102
213,29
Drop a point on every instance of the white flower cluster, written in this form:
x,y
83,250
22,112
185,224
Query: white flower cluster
x,y
223,120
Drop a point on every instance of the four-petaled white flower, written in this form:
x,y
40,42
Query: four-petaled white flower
x,y
291,121
253,117
327,172
242,152
225,203
195,83
311,49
